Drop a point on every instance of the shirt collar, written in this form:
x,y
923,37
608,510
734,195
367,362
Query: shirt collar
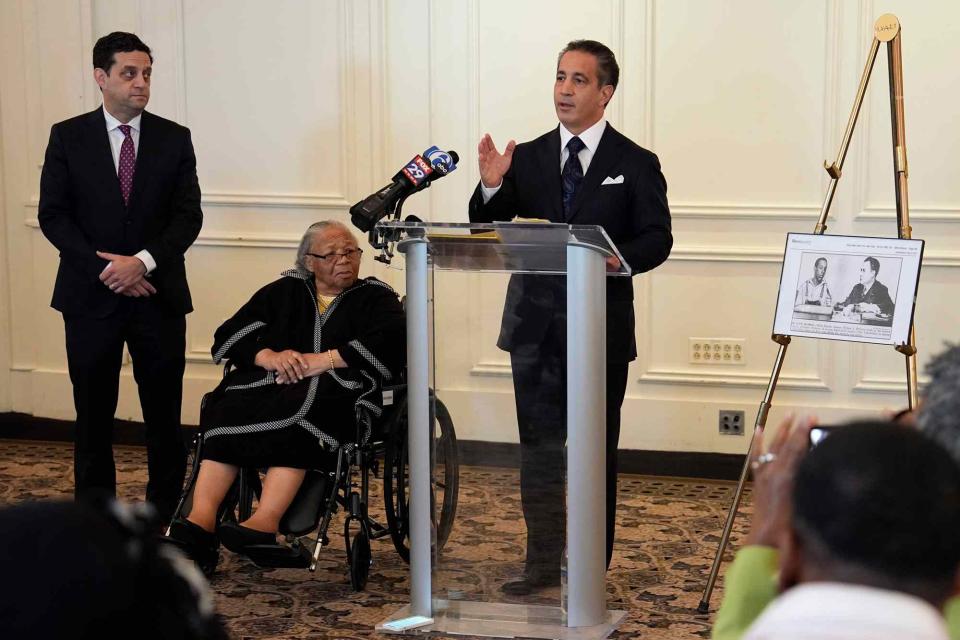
x,y
590,137
113,123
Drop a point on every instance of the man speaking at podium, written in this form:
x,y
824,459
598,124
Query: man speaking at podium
x,y
582,172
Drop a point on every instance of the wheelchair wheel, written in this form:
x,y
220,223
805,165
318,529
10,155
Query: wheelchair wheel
x,y
446,478
358,557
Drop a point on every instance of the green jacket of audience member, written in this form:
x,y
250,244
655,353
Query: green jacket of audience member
x,y
750,585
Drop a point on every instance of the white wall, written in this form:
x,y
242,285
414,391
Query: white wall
x,y
300,107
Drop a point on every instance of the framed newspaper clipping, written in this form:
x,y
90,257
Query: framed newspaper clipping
x,y
851,288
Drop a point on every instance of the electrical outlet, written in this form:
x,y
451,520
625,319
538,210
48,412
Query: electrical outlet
x,y
717,351
731,422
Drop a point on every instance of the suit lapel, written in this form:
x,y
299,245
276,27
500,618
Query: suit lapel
x,y
608,152
549,153
101,155
146,154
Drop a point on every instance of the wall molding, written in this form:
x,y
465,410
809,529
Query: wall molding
x,y
725,379
686,377
864,382
866,18
251,240
633,40
881,385
348,126
941,259
278,200
488,369
648,73
199,356
615,111
473,85
695,253
336,202
380,99
867,383
860,144
746,211
180,46
917,214
831,75
91,97
248,241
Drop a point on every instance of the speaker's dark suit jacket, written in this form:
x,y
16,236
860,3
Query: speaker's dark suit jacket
x,y
82,210
634,213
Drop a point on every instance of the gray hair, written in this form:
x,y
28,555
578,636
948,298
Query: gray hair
x,y
313,230
939,414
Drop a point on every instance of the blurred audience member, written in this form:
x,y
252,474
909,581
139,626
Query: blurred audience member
x,y
939,415
80,571
750,582
872,549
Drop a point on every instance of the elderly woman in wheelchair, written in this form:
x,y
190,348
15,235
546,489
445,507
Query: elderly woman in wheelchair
x,y
307,358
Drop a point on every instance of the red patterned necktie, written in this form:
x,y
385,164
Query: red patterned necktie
x,y
126,164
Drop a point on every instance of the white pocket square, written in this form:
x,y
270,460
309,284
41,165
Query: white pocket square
x,y
609,180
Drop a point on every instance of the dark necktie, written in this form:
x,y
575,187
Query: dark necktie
x,y
572,174
126,164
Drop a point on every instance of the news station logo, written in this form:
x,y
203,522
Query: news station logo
x,y
417,171
440,160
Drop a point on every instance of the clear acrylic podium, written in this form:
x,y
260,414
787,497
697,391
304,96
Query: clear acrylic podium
x,y
579,252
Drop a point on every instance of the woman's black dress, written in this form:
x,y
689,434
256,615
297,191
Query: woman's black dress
x,y
249,420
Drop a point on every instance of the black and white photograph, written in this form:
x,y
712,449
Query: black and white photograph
x,y
848,287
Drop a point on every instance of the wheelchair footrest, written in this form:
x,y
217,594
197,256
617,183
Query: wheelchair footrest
x,y
279,556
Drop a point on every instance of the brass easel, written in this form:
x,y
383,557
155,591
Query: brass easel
x,y
885,29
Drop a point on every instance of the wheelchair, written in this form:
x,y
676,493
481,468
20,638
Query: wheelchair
x,y
323,493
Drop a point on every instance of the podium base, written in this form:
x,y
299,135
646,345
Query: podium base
x,y
501,620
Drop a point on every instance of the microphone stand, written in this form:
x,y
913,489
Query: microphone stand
x,y
385,240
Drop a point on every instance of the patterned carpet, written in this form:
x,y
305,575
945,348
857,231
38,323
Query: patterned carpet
x,y
667,533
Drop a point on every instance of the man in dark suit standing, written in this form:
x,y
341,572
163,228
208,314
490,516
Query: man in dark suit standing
x,y
119,199
582,172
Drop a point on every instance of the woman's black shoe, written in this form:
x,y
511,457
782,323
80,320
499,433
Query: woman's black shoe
x,y
197,543
237,538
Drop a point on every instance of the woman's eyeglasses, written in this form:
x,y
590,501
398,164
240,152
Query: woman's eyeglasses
x,y
333,258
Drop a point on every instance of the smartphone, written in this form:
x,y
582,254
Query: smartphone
x,y
817,434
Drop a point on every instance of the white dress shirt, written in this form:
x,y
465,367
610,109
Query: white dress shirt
x,y
834,611
591,140
810,290
116,141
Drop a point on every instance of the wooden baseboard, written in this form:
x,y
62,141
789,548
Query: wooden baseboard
x,y
22,426
689,464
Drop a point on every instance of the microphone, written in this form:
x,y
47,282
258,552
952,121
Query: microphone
x,y
442,162
415,176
